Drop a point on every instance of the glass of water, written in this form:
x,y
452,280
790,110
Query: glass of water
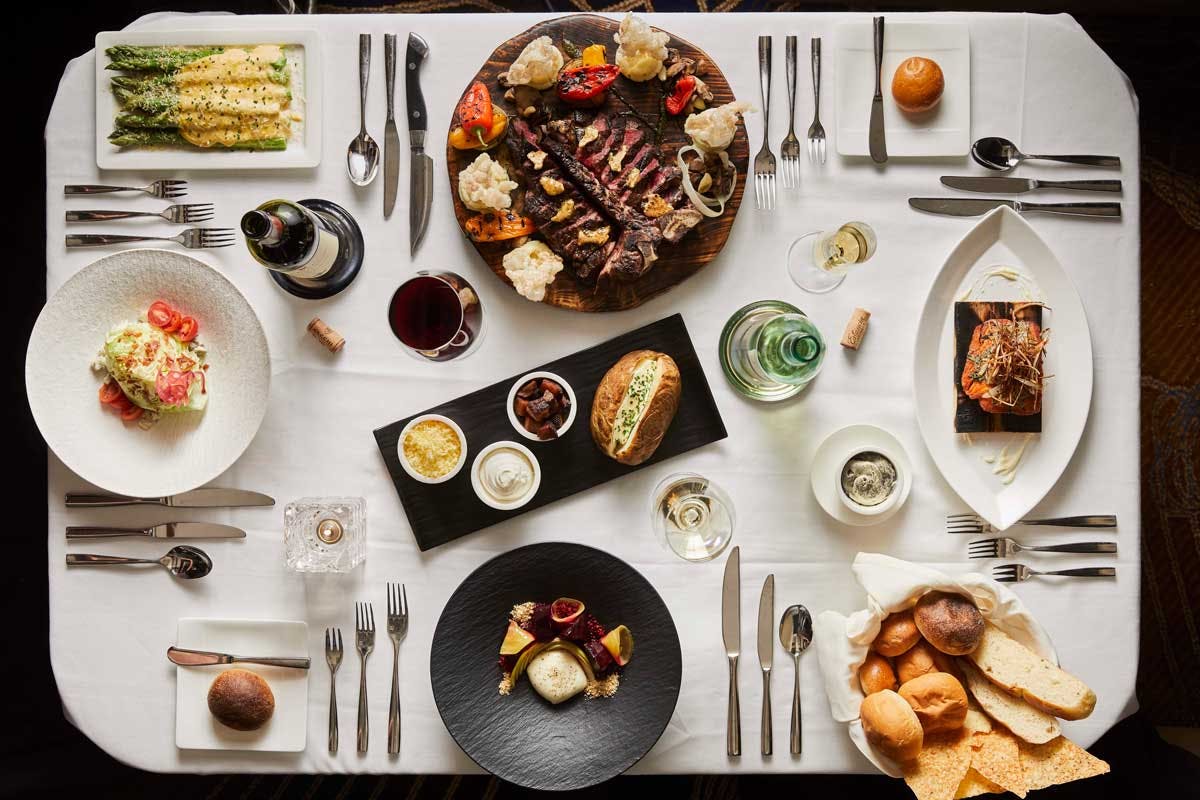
x,y
823,267
691,516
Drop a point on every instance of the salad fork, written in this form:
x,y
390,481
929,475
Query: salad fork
x,y
192,238
364,640
1014,573
764,162
816,133
333,657
1004,547
179,214
397,628
973,524
162,189
790,149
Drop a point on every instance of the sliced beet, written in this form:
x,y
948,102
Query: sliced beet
x,y
601,658
577,631
540,624
528,390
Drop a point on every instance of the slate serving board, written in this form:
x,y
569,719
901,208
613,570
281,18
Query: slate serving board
x,y
521,738
440,513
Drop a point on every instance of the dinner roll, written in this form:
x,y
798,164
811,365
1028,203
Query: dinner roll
x,y
891,725
949,622
897,633
915,662
876,674
938,699
945,663
241,699
918,84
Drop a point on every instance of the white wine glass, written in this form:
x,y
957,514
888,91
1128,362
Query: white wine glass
x,y
691,516
818,262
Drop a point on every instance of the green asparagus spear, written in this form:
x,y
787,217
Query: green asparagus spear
x,y
141,120
151,102
158,59
138,83
159,136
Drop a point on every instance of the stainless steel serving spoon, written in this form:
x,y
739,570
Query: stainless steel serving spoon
x,y
182,561
362,157
998,153
795,634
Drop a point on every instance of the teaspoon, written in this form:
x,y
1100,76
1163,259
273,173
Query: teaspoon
x,y
795,634
182,561
995,152
362,157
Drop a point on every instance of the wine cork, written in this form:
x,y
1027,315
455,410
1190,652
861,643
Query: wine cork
x,y
331,339
856,328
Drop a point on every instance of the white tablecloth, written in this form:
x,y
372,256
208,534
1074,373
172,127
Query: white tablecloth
x,y
1038,80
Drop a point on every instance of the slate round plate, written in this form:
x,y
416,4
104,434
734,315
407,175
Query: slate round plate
x,y
521,738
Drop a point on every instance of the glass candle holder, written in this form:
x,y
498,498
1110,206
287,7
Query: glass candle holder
x,y
325,534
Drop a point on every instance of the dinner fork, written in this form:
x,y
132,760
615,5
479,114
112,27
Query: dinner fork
x,y
192,238
1013,573
333,657
364,640
162,189
816,133
789,151
973,524
397,627
764,162
1004,547
179,214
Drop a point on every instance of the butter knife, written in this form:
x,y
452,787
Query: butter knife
x,y
731,631
420,195
201,658
197,498
391,138
766,648
168,530
970,207
1005,185
876,139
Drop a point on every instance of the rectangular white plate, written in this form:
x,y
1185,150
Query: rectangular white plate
x,y
303,151
195,726
944,130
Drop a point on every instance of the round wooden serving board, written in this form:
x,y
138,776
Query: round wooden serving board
x,y
676,261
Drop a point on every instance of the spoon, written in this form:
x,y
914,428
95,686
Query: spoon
x,y
795,634
362,157
995,152
182,561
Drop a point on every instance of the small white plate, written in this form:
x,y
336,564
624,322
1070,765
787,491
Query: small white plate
x,y
832,454
944,130
195,726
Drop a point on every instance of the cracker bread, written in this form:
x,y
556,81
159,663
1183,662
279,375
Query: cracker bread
x,y
1018,670
998,759
1058,761
941,766
974,785
1025,721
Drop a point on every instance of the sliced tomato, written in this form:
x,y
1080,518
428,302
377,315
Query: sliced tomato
x,y
159,314
188,328
176,321
132,413
172,387
122,403
110,391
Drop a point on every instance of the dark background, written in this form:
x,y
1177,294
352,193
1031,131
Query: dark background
x,y
1156,42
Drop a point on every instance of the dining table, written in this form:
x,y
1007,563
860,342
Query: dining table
x,y
1038,80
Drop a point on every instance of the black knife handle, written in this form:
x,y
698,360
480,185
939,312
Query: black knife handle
x,y
417,50
89,532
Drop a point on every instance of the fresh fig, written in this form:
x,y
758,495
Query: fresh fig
x,y
619,643
516,639
565,610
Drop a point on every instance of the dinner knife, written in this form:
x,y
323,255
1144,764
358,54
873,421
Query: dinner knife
x,y
168,530
391,138
968,207
766,647
197,498
731,631
420,195
1005,185
201,658
875,135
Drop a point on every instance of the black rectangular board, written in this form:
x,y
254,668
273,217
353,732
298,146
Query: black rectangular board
x,y
442,512
968,416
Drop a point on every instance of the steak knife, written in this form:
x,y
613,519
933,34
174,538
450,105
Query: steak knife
x,y
875,137
168,530
1005,185
731,631
197,498
965,207
201,658
391,138
766,648
420,193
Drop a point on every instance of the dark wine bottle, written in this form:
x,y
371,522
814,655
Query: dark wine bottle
x,y
289,238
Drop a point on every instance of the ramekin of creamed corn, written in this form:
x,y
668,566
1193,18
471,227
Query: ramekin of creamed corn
x,y
432,448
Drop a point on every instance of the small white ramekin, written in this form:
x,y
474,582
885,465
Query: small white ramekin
x,y
462,441
512,504
898,488
512,395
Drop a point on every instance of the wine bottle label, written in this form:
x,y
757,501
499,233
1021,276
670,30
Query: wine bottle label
x,y
323,257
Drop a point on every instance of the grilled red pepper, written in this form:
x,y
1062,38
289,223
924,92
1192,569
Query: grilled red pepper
x,y
584,83
685,87
475,112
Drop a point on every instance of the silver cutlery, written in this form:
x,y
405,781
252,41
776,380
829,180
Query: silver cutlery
x,y
181,561
1004,547
816,131
764,162
333,657
964,207
766,647
974,524
362,157
420,187
789,151
165,189
186,657
1014,573
1006,185
167,530
192,238
731,632
197,498
875,136
391,137
998,153
795,634
179,214
364,642
397,628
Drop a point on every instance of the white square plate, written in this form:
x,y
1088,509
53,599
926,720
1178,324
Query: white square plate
x,y
195,726
945,130
304,150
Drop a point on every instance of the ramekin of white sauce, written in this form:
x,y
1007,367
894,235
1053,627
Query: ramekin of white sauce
x,y
505,475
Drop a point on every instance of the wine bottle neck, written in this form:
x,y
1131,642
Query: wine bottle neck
x,y
262,226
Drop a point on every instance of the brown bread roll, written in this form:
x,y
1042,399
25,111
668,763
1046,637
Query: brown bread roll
x,y
876,674
897,633
241,699
915,662
938,699
891,725
918,84
949,622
